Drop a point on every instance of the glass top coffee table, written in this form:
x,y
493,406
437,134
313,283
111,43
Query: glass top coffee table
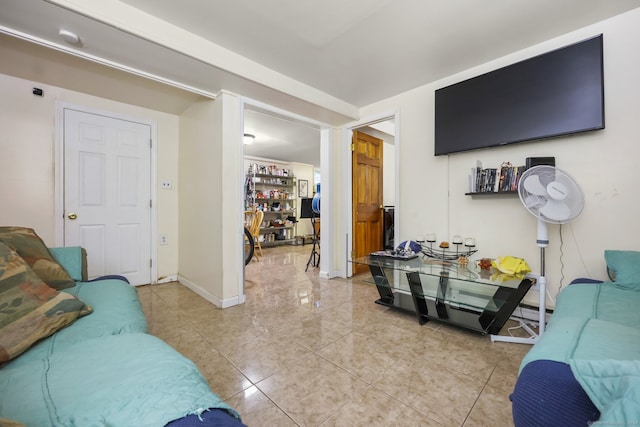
x,y
481,300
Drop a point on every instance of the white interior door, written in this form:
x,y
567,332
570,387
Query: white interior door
x,y
107,193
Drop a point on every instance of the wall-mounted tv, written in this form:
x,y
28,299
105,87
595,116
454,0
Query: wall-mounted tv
x,y
557,93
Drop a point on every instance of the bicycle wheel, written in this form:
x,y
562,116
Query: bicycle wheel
x,y
248,246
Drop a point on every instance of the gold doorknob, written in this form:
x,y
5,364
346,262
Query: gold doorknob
x,y
72,215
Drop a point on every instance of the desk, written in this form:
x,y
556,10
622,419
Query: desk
x,y
441,290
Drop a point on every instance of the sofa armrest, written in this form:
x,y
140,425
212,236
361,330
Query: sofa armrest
x,y
73,259
547,394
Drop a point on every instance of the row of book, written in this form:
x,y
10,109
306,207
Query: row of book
x,y
491,180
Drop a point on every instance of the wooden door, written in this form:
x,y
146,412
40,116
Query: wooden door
x,y
107,193
367,196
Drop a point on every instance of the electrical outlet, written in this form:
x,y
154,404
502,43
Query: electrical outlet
x,y
166,184
164,240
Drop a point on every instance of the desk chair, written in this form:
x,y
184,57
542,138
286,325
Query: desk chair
x,y
254,229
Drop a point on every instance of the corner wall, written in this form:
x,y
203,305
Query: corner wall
x,y
210,203
200,193
27,163
603,162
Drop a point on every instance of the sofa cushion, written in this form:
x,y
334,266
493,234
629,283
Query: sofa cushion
x,y
73,259
117,380
605,301
624,267
32,249
591,321
116,310
29,309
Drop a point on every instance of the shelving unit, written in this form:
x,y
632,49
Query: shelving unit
x,y
274,194
502,180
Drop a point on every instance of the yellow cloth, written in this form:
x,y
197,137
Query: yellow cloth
x,y
511,265
503,277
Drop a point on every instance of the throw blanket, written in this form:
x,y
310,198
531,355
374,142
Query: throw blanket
x,y
117,310
77,386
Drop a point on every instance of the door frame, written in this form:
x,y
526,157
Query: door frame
x,y
327,269
59,213
347,136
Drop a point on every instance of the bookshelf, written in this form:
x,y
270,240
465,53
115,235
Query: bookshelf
x,y
502,180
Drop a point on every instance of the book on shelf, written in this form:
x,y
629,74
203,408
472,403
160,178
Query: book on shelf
x,y
495,180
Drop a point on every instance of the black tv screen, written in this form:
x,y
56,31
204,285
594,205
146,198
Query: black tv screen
x,y
557,93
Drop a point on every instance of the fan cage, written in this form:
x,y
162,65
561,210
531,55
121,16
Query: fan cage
x,y
547,174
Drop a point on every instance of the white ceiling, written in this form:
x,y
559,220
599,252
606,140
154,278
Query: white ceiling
x,y
339,54
362,51
280,138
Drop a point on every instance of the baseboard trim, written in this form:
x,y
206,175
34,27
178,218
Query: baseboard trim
x,y
215,300
529,313
167,279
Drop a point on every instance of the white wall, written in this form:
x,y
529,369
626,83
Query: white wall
x,y
211,199
604,163
27,145
304,171
200,195
389,174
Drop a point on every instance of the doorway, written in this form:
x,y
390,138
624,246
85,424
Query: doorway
x,y
105,190
282,160
382,229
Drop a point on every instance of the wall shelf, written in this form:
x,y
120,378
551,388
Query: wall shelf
x,y
492,193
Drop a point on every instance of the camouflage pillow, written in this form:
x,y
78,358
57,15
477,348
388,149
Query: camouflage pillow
x,y
29,309
32,249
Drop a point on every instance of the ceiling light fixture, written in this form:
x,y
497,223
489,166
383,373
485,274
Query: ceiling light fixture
x,y
248,139
69,37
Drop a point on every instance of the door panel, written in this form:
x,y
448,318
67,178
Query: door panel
x,y
367,196
107,184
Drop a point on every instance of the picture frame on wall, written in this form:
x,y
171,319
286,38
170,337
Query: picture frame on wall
x,y
303,188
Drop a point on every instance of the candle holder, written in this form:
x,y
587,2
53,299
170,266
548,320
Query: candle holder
x,y
457,240
446,254
431,238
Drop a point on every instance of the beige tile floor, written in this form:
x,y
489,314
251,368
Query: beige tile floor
x,y
305,351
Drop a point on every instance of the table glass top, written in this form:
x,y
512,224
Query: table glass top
x,y
451,269
462,286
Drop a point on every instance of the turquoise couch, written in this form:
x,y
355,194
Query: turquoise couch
x,y
105,369
585,369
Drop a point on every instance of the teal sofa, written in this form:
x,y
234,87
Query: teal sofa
x,y
104,368
585,369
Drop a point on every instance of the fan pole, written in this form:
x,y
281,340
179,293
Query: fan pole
x,y
542,286
543,241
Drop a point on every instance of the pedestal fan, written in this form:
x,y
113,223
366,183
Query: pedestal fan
x,y
552,196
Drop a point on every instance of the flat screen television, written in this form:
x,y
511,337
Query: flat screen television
x,y
557,93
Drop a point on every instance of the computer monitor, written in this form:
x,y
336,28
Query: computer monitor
x,y
306,211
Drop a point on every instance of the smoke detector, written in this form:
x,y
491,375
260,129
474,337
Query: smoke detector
x,y
70,37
